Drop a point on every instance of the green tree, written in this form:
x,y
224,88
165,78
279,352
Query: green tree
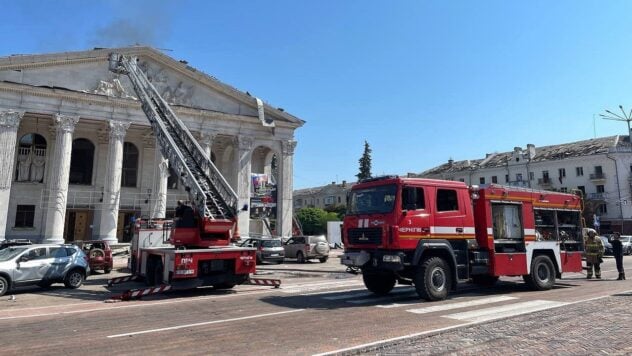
x,y
314,220
339,209
365,163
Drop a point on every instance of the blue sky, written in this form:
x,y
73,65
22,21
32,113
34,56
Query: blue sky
x,y
421,81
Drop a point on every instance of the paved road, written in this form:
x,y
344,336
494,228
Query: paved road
x,y
317,310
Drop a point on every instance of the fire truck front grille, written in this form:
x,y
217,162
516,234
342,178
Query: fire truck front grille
x,y
372,236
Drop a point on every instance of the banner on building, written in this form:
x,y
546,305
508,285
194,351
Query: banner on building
x,y
263,200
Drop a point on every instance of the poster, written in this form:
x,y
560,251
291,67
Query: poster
x,y
263,198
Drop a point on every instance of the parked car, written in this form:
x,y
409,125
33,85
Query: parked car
x,y
268,249
304,248
99,255
626,241
607,245
42,265
9,243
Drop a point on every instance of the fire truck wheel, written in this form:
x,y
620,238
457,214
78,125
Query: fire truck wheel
x,y
299,257
433,279
484,280
378,283
542,276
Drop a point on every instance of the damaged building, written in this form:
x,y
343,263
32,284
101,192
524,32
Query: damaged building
x,y
69,128
600,168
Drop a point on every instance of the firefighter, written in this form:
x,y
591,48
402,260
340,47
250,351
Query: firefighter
x,y
617,251
594,252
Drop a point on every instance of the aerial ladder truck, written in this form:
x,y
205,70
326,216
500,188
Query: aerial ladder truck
x,y
197,252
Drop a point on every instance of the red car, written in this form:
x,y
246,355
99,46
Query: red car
x,y
99,254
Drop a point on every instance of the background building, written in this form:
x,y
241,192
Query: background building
x,y
78,158
601,168
322,197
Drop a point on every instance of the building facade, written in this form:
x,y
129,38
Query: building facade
x,y
600,168
78,158
327,196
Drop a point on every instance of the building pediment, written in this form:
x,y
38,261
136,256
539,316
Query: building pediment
x,y
178,83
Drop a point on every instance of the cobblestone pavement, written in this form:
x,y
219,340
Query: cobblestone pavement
x,y
600,326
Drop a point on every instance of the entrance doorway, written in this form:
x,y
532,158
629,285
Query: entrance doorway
x,y
124,228
76,227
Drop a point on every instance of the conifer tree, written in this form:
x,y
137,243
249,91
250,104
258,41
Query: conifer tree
x,y
365,163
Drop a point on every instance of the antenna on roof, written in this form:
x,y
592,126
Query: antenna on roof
x,y
623,117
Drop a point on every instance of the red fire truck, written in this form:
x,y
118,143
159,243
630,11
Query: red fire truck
x,y
195,249
434,233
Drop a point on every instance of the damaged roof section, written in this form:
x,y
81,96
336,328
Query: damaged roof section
x,y
535,154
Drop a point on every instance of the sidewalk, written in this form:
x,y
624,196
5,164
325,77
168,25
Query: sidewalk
x,y
599,326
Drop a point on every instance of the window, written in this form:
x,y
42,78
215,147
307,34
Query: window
x,y
598,170
602,209
494,179
561,172
31,158
58,252
506,221
462,180
506,178
600,189
413,198
24,216
482,180
329,200
36,253
579,171
531,176
583,189
564,190
447,200
339,200
519,177
81,162
545,175
130,165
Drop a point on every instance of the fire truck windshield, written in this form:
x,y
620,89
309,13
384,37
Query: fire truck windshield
x,y
372,200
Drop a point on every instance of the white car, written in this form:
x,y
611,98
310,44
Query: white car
x,y
626,241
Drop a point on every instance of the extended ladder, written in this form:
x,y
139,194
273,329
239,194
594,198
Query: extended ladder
x,y
210,194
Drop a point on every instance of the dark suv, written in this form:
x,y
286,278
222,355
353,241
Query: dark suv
x,y
99,255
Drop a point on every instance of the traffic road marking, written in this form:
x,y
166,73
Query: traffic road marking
x,y
504,311
469,303
203,323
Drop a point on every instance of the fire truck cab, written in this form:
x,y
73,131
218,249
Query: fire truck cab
x,y
434,233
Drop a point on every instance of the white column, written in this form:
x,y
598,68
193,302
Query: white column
x,y
244,158
206,141
284,188
112,188
159,206
60,171
9,123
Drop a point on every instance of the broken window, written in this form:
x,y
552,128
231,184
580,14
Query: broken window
x,y
130,165
81,162
31,158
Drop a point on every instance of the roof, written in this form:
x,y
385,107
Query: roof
x,y
317,190
601,145
22,61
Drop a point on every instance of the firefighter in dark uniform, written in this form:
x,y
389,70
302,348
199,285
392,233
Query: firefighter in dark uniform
x,y
617,251
594,253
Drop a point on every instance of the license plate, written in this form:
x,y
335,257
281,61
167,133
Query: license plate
x,y
274,255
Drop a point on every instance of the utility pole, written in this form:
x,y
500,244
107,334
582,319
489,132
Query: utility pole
x,y
627,117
